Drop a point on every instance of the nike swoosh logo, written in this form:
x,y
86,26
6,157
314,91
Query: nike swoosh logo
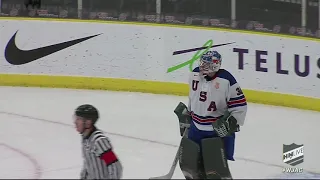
x,y
16,56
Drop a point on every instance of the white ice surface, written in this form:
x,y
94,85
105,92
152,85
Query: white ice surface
x,y
38,139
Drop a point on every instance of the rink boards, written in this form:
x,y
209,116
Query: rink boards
x,y
272,69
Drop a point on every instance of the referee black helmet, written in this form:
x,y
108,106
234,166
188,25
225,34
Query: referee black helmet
x,y
87,111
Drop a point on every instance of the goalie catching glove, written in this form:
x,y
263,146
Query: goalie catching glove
x,y
226,125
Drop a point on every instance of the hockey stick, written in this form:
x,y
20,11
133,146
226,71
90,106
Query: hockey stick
x,y
199,48
174,164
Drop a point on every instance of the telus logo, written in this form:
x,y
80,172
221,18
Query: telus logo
x,y
261,57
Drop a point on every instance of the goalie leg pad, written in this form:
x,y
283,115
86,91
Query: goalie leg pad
x,y
214,159
190,159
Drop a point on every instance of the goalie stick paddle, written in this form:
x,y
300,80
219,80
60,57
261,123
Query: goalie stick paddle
x,y
199,48
174,164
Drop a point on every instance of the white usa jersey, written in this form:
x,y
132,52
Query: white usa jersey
x,y
209,100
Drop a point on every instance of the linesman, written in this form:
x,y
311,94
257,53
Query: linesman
x,y
100,161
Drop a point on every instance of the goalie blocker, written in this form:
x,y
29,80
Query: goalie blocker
x,y
205,160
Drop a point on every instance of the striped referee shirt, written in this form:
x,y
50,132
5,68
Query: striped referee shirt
x,y
100,162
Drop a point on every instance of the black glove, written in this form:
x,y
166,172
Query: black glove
x,y
225,125
184,117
